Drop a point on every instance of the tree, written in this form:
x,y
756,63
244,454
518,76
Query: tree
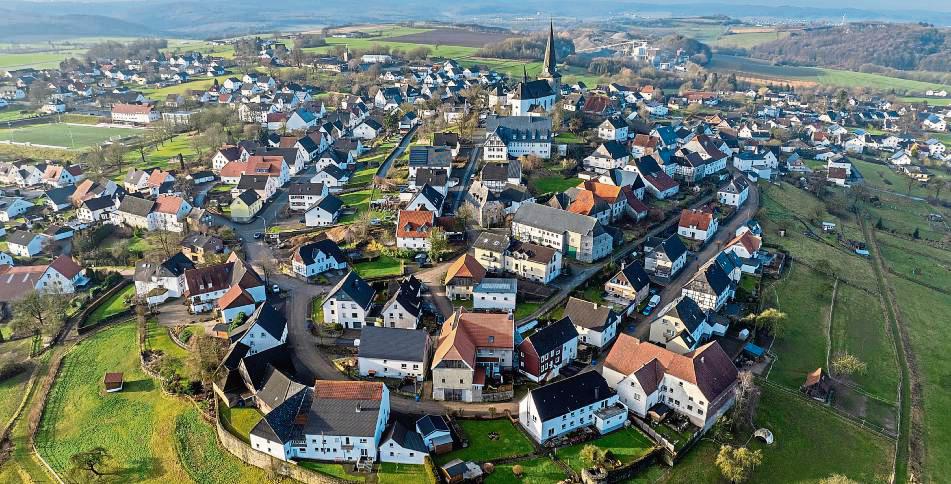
x,y
89,462
465,214
770,319
916,234
746,393
115,154
837,479
847,364
164,243
39,313
203,360
737,463
438,244
593,455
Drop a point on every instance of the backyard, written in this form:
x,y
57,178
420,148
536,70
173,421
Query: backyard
x,y
488,440
382,266
112,306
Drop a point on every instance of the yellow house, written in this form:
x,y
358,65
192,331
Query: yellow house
x,y
245,206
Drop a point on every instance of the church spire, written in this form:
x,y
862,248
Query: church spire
x,y
550,67
524,74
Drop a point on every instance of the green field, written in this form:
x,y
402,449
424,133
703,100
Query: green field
x,y
198,83
535,471
745,40
240,420
158,339
832,77
38,60
883,177
552,184
70,136
511,441
626,444
383,266
151,437
811,443
164,156
11,394
932,101
114,305
858,326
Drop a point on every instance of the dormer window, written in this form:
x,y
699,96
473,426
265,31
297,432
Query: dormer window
x,y
491,339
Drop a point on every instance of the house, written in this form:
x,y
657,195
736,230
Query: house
x,y
21,243
697,225
514,136
368,130
337,421
435,433
246,206
324,212
96,210
472,348
393,353
449,140
303,195
597,324
710,287
657,181
746,248
404,308
734,193
317,257
462,276
205,285
13,207
683,326
545,352
575,235
496,176
429,157
495,293
264,329
59,198
265,186
413,228
157,282
698,385
933,122
559,408
523,259
199,247
667,258
631,284
613,128
401,444
134,113
348,302
61,176
608,156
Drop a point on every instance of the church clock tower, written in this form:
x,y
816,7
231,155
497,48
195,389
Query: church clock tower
x,y
550,68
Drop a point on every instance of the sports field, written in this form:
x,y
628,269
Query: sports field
x,y
69,136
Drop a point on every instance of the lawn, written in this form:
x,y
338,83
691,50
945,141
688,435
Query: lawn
x,y
13,114
362,177
163,156
391,473
917,261
114,305
11,394
151,437
195,84
805,296
536,471
858,326
330,469
569,138
383,266
932,101
240,420
626,444
811,443
525,309
511,441
159,339
921,309
902,215
883,177
552,184
68,136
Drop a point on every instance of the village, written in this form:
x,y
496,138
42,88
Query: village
x,y
458,274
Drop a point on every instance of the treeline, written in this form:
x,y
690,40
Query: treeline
x,y
530,47
137,49
310,40
698,52
906,47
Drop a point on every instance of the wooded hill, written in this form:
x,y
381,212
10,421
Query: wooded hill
x,y
859,46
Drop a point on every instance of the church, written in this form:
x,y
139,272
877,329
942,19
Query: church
x,y
538,96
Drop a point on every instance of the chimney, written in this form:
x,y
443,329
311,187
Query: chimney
x,y
596,393
358,407
701,360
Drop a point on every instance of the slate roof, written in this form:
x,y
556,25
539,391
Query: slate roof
x,y
266,318
636,275
306,188
532,90
430,156
136,206
689,313
353,288
393,343
430,424
307,253
405,436
521,128
588,314
553,336
673,247
21,237
330,204
572,393
174,266
553,219
60,196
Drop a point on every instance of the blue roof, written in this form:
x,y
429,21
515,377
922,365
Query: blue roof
x,y
753,350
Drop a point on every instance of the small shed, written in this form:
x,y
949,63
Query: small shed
x,y
816,385
112,382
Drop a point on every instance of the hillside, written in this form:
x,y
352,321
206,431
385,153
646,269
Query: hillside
x,y
859,46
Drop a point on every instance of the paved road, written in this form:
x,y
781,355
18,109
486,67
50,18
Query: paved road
x,y
724,234
460,190
396,153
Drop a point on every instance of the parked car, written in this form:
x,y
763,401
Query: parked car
x,y
651,305
257,235
276,289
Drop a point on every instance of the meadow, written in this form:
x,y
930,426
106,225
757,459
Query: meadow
x,y
68,136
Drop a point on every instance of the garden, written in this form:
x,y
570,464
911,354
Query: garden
x,y
488,440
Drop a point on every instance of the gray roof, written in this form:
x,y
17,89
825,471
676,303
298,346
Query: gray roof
x,y
588,314
492,241
553,219
136,206
497,285
430,156
353,288
21,237
173,267
511,128
393,343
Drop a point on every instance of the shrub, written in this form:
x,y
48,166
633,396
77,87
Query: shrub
x,y
518,470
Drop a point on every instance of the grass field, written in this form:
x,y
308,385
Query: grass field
x,y
806,297
11,394
196,84
552,184
904,216
330,469
158,339
511,441
932,101
69,136
832,77
38,60
115,305
384,266
745,40
164,156
884,177
858,326
811,443
13,114
916,261
391,473
151,437
626,444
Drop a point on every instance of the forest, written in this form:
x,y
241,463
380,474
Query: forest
x,y
529,47
863,47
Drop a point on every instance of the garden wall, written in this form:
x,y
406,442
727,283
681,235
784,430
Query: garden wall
x,y
86,311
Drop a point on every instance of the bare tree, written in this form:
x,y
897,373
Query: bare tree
x,y
39,313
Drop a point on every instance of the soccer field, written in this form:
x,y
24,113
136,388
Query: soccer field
x,y
70,136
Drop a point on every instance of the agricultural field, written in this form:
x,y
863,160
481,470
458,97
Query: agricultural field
x,y
931,101
66,136
745,40
884,178
820,75
858,326
903,215
151,437
37,60
460,37
811,443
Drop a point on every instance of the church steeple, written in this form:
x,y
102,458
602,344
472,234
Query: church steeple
x,y
550,67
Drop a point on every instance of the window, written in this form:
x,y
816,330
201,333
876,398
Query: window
x,y
699,412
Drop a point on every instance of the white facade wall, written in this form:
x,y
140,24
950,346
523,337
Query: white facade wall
x,y
392,368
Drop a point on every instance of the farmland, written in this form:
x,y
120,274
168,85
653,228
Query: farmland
x,y
747,39
68,136
832,77
464,38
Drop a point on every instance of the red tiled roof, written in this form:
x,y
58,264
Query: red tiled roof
x,y
696,218
123,108
465,266
463,332
348,390
169,204
66,266
415,224
157,177
235,297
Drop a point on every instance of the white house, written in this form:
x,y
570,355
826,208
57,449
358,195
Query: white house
x,y
393,353
324,212
559,408
698,385
348,303
413,228
404,308
734,193
21,243
403,445
336,421
317,257
697,225
13,207
613,129
494,293
683,327
597,324
513,136
134,113
157,282
264,329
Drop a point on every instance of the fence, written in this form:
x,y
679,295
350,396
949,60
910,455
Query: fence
x,y
623,473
